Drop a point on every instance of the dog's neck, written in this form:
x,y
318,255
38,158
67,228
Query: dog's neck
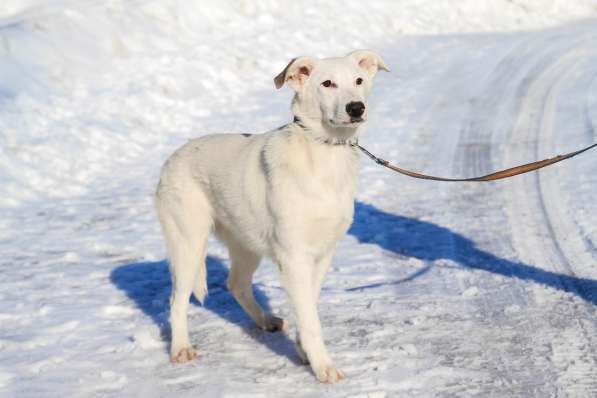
x,y
328,135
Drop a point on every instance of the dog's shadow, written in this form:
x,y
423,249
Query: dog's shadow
x,y
148,283
429,242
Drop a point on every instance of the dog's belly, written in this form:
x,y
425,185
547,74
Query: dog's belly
x,y
241,217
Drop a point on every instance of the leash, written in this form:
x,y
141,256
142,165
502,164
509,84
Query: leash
x,y
498,175
513,171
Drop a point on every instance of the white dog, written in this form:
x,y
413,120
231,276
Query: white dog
x,y
287,194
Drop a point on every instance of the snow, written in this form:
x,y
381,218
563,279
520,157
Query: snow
x,y
438,289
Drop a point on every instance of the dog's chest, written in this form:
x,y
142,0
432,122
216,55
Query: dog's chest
x,y
317,195
325,176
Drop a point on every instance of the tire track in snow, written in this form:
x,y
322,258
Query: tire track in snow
x,y
504,94
487,115
546,238
579,366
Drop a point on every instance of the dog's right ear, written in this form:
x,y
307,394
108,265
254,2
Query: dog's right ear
x,y
368,60
296,73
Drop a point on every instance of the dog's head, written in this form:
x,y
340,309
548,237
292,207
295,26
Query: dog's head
x,y
331,93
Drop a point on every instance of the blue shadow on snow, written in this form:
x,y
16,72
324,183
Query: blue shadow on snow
x,y
148,283
427,241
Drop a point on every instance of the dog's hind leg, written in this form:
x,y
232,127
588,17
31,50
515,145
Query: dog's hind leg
x,y
186,223
243,266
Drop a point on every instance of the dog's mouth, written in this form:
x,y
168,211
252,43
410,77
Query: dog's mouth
x,y
353,122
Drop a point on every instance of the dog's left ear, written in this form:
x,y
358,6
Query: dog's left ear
x,y
368,60
296,72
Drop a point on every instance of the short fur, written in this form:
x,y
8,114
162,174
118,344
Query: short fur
x,y
286,194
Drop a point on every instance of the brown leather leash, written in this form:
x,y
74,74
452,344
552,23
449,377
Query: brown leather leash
x,y
525,168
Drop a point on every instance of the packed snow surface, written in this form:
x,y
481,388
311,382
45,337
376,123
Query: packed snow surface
x,y
438,290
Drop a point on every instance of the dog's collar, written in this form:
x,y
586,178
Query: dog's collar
x,y
328,141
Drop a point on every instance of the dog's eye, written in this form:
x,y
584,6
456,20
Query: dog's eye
x,y
327,83
359,81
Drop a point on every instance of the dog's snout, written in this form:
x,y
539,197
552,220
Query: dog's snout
x,y
355,109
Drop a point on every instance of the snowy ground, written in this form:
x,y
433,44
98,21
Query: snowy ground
x,y
439,290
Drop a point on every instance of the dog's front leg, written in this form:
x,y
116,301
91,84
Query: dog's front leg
x,y
321,268
298,279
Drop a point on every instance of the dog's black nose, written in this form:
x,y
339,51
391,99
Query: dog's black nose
x,y
355,109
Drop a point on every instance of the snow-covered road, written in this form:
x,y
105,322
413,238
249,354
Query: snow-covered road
x,y
500,101
439,289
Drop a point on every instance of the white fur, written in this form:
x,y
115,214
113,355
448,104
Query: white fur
x,y
287,194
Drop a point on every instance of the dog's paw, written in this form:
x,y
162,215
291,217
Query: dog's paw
x,y
273,324
183,355
329,374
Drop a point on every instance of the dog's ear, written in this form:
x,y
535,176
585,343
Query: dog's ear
x,y
368,60
296,72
